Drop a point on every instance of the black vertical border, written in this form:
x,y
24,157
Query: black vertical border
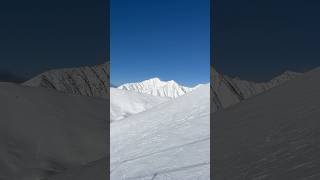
x,y
108,86
212,60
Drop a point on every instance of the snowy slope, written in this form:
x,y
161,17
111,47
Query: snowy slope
x,y
157,87
45,132
274,135
96,170
125,103
169,141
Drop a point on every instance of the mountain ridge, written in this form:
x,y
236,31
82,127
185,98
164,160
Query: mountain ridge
x,y
227,91
157,87
87,81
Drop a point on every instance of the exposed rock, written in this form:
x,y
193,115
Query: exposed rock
x,y
227,91
87,81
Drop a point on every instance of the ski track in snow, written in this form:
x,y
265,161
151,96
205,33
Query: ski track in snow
x,y
168,141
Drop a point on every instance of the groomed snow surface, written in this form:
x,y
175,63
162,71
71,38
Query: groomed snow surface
x,y
274,135
125,103
169,141
45,133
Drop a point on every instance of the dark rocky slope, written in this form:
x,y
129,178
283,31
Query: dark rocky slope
x,y
87,81
227,91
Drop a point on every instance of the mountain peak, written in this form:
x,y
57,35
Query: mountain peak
x,y
156,87
154,79
171,82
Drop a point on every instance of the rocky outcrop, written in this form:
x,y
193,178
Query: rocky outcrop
x,y
94,81
227,91
87,81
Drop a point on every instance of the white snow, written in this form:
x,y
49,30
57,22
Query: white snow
x,y
125,103
273,135
156,87
169,141
44,132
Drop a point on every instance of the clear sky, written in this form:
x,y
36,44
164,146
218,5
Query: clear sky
x,y
257,40
168,39
38,35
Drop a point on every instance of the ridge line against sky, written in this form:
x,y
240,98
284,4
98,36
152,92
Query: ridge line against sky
x,y
255,40
168,39
163,80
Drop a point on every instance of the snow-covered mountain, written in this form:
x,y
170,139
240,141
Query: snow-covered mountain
x,y
87,81
168,141
44,133
93,81
274,135
156,87
227,91
125,103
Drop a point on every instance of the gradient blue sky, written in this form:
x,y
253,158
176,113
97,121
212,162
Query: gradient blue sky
x,y
38,35
258,40
168,39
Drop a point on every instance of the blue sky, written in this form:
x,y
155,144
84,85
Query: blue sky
x,y
168,39
36,36
258,40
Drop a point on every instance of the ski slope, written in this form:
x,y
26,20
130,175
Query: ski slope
x,y
44,132
274,135
96,170
125,103
169,141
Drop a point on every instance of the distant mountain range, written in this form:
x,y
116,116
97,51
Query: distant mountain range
x,y
87,81
91,81
156,87
227,91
